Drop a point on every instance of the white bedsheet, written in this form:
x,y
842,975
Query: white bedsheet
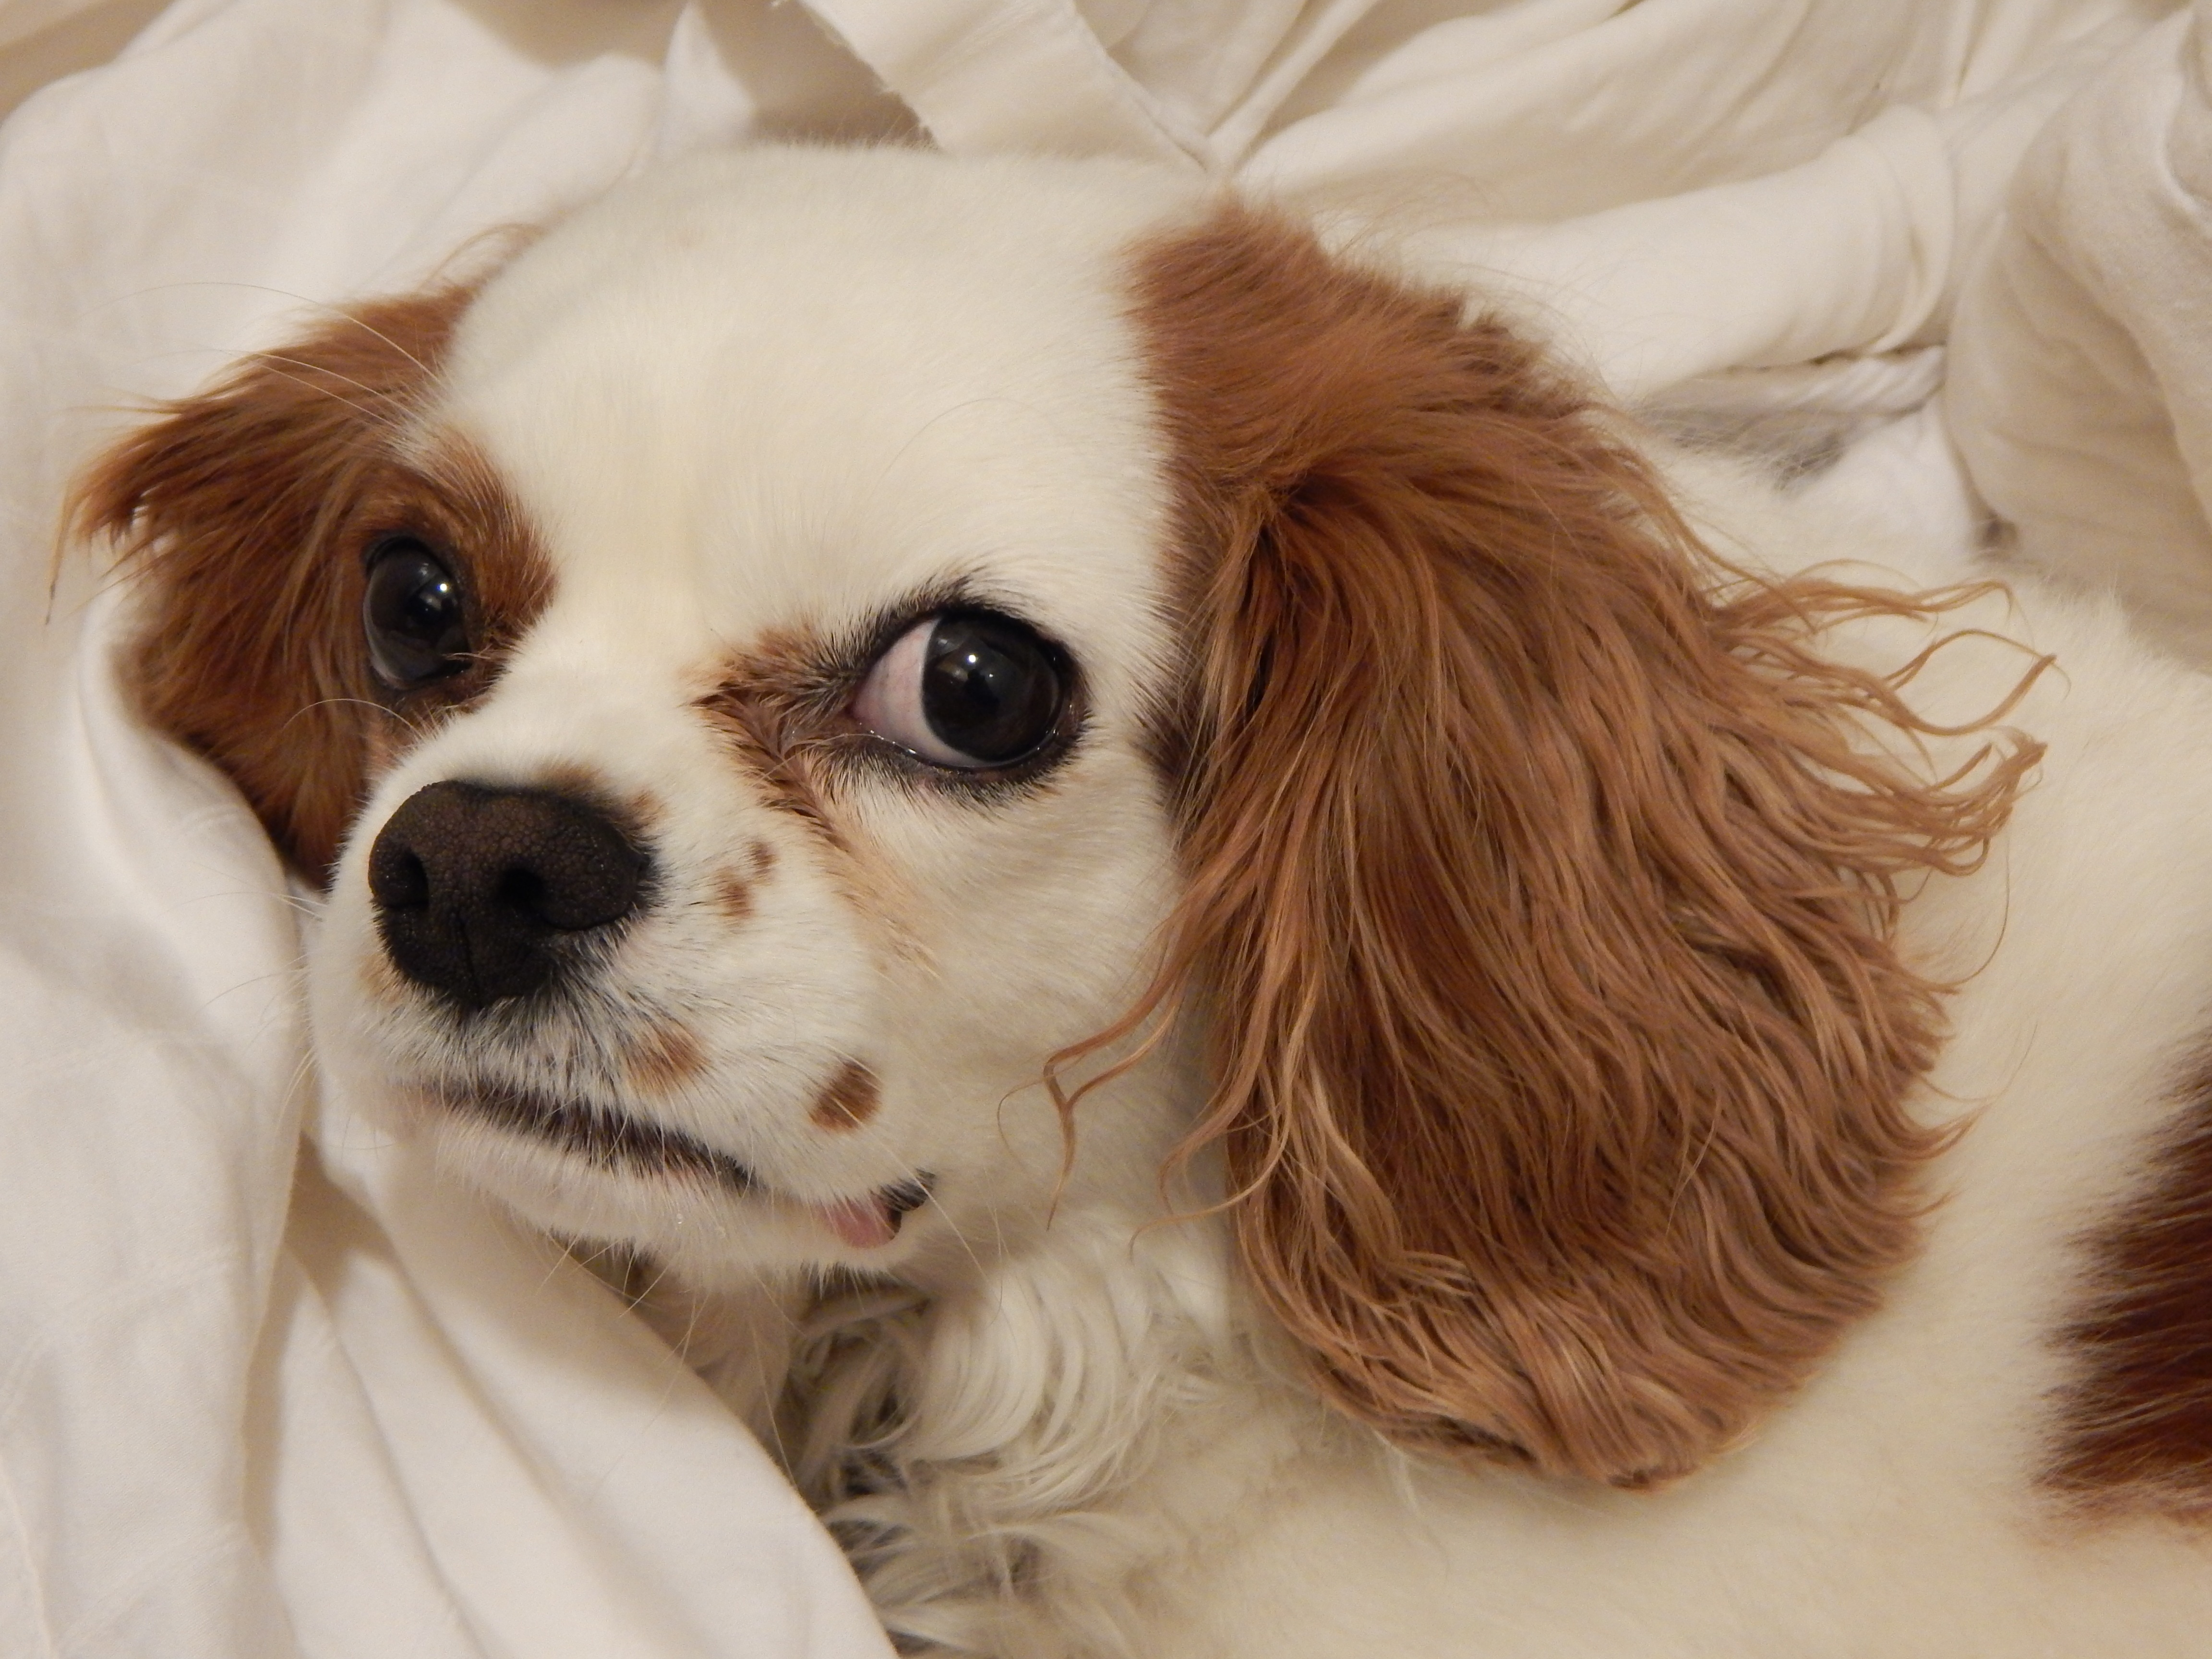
x,y
2083,396
356,1414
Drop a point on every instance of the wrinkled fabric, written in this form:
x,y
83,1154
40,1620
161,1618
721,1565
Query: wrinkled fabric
x,y
267,1386
2082,392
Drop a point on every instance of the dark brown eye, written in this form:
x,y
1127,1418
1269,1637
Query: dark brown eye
x,y
412,615
967,690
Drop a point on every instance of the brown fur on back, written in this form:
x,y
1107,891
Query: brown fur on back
x,y
1539,883
2136,1426
245,512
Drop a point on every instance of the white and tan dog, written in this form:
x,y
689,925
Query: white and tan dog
x,y
1362,1049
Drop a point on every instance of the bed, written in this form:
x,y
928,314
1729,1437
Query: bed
x,y
267,1386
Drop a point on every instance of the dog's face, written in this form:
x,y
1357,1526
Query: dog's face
x,y
766,602
818,636
808,808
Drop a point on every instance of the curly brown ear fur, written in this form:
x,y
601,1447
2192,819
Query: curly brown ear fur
x,y
244,512
1539,891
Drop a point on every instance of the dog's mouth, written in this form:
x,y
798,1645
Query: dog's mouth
x,y
614,1141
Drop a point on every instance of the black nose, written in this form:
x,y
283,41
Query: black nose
x,y
476,888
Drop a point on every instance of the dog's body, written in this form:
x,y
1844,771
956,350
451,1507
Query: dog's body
x,y
1176,1491
819,638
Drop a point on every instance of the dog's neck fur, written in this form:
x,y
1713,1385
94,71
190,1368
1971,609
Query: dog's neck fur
x,y
973,1430
974,1448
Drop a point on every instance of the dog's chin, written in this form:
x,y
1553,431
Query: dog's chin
x,y
587,1174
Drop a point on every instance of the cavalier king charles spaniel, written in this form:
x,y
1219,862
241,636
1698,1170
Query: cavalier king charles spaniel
x,y
1353,1011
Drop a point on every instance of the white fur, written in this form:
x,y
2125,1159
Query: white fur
x,y
786,390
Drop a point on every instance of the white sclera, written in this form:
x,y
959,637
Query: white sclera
x,y
889,700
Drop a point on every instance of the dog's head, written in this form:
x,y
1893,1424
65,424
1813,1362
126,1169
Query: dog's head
x,y
819,636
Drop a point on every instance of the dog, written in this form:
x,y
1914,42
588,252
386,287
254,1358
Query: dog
x,y
1364,1014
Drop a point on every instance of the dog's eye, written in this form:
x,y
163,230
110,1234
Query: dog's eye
x,y
966,688
412,615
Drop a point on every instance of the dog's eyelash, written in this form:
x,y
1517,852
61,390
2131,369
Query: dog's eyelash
x,y
804,704
863,754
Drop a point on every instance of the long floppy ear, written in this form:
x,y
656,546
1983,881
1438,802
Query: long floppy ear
x,y
1539,892
240,513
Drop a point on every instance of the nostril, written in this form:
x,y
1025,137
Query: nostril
x,y
522,890
398,881
581,875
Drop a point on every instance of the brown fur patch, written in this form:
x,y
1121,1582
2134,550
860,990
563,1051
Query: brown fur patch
x,y
849,1101
731,895
666,1057
1537,878
2135,1426
732,891
244,513
768,703
781,707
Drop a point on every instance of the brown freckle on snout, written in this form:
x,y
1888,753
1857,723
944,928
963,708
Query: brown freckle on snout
x,y
731,895
762,857
666,1056
850,1100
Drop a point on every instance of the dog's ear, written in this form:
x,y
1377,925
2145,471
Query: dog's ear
x,y
1540,886
236,511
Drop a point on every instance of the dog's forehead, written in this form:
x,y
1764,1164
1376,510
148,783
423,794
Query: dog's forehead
x,y
786,389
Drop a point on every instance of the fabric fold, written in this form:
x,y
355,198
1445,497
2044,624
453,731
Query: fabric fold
x,y
2081,386
375,1418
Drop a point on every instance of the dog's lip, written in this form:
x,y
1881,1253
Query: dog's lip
x,y
610,1138
606,1138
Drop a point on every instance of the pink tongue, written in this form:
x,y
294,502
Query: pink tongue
x,y
862,1223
